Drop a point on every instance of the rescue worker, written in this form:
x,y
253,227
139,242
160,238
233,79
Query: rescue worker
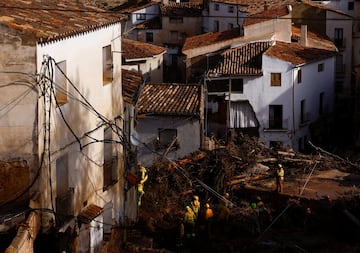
x,y
143,176
195,205
189,223
254,215
280,178
209,214
224,214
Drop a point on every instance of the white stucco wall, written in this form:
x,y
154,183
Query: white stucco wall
x,y
150,12
260,95
335,20
84,60
188,134
152,68
223,16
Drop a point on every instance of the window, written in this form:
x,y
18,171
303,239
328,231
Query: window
x,y
339,37
230,26
166,137
350,6
140,16
176,20
216,26
109,163
320,67
275,79
237,85
107,65
339,64
60,83
231,9
299,77
149,37
302,111
275,116
216,7
174,35
321,103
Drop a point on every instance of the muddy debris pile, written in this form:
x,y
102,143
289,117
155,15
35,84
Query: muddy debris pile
x,y
320,200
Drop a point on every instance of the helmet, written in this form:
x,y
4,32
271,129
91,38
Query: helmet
x,y
258,197
187,207
196,197
279,165
207,205
226,195
253,205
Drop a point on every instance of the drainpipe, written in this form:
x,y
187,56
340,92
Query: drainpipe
x,y
229,107
293,104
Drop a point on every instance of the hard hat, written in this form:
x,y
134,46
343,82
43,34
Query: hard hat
x,y
196,197
207,205
253,205
226,195
187,207
258,197
279,165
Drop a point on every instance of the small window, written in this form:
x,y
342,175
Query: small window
x,y
302,111
321,103
176,20
109,162
350,6
275,79
61,83
149,37
166,138
107,65
140,16
230,26
216,26
216,7
231,9
321,67
299,77
275,116
237,85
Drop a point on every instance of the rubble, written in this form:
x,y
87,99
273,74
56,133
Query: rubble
x,y
320,180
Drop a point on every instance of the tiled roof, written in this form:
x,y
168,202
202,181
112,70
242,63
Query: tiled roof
x,y
297,54
133,49
260,6
89,213
154,23
185,9
268,14
325,7
170,99
131,81
210,38
314,39
132,6
243,60
53,20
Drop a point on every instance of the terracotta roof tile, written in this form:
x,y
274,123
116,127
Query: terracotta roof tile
x,y
314,39
54,20
243,60
297,54
259,6
133,49
89,213
185,9
272,13
131,81
154,23
210,38
131,6
170,99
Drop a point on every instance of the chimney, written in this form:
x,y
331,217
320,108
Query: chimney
x,y
303,36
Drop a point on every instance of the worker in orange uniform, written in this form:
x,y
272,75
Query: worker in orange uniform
x,y
209,214
195,205
143,176
189,223
280,178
